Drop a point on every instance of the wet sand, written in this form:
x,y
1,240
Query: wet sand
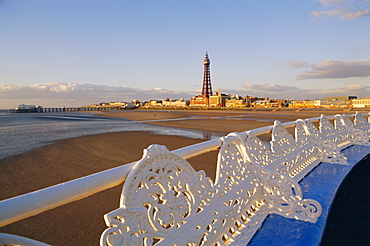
x,y
81,222
224,121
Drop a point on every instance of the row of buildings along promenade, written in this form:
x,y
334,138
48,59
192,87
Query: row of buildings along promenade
x,y
209,100
234,101
218,101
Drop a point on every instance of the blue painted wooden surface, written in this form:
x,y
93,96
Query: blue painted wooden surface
x,y
321,184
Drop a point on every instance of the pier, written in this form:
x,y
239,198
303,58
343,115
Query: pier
x,y
279,193
62,109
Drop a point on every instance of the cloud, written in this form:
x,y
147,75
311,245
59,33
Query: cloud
x,y
332,2
292,92
358,90
274,91
270,88
329,69
343,13
296,64
344,9
56,94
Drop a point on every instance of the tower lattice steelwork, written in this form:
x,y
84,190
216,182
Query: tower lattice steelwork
x,y
207,88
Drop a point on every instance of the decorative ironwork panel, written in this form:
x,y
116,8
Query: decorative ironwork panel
x,y
156,200
347,130
165,202
294,158
361,123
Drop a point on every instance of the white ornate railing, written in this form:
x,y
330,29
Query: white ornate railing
x,y
166,202
361,123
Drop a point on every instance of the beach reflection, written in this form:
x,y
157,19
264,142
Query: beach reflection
x,y
23,132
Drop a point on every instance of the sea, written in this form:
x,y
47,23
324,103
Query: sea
x,y
23,132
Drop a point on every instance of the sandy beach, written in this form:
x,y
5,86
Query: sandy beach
x,y
224,121
81,222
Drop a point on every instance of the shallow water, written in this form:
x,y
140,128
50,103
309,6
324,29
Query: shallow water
x,y
22,132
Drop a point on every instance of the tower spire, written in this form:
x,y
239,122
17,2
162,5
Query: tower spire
x,y
207,88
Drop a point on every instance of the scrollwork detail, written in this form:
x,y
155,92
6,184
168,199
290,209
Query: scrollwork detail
x,y
282,142
156,199
362,124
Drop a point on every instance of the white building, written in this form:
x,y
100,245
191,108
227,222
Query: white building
x,y
361,102
175,103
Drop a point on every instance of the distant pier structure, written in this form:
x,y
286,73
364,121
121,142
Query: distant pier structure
x,y
207,87
62,109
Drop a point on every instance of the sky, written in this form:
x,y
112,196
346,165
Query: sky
x,y
71,53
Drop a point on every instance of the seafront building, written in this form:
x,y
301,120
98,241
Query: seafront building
x,y
338,102
218,100
236,101
22,108
304,103
111,105
361,102
175,103
166,103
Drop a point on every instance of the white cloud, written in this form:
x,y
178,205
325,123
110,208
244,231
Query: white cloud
x,y
329,69
56,94
350,90
332,2
270,88
343,13
296,64
292,92
5,88
344,9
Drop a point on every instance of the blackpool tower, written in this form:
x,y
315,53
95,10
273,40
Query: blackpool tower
x,y
207,88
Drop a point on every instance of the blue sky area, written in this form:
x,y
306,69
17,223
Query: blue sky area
x,y
78,52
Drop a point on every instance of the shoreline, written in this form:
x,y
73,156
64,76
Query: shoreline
x,y
72,158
